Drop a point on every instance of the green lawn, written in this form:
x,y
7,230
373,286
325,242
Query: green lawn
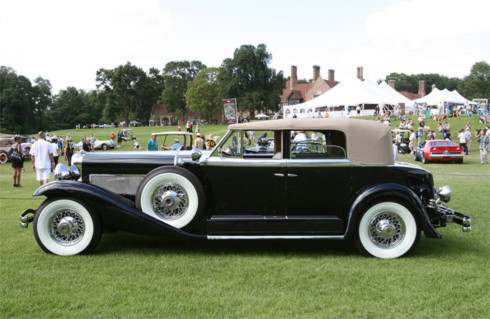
x,y
148,277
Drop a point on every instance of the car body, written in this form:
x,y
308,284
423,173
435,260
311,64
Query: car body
x,y
105,126
439,151
6,143
99,144
344,185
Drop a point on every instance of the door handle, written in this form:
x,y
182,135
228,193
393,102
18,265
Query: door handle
x,y
279,175
292,175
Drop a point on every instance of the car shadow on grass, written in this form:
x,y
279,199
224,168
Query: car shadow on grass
x,y
139,244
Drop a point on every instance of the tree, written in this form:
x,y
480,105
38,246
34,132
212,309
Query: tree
x,y
248,78
16,102
43,101
67,110
177,75
122,84
477,83
410,83
203,93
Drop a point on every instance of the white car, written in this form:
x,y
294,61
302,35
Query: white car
x,y
99,144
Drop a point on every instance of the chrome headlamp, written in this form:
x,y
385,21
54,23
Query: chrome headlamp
x,y
444,193
61,172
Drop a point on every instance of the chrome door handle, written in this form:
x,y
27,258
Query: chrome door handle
x,y
292,175
279,175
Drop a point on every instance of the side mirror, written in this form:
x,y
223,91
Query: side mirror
x,y
196,154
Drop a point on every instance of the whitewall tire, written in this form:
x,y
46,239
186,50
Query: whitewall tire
x,y
66,227
387,230
172,195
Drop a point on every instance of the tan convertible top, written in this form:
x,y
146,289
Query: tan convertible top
x,y
367,142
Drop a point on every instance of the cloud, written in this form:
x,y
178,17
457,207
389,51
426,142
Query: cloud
x,y
72,40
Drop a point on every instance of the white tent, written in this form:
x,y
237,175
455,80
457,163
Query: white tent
x,y
436,97
396,96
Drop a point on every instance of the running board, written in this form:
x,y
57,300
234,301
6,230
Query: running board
x,y
211,237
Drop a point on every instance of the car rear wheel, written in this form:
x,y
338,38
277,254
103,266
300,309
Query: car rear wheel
x,y
424,159
66,227
3,157
387,230
104,147
415,156
171,194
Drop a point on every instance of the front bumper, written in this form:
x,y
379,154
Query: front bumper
x,y
441,215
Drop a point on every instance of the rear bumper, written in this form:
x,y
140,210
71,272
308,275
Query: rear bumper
x,y
453,156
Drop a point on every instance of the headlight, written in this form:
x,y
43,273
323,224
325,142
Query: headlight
x,y
444,193
62,172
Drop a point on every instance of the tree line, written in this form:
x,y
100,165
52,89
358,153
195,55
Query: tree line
x,y
127,93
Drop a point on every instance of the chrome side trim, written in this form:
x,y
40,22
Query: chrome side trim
x,y
226,237
240,162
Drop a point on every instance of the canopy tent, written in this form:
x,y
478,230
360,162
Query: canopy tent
x,y
437,97
350,92
396,96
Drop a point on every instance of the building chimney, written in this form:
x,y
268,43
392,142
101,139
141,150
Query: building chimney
x,y
392,83
331,75
294,77
360,73
316,72
422,88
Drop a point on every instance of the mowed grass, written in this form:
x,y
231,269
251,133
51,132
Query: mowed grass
x,y
132,276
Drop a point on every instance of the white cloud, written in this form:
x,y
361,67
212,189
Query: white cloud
x,y
69,41
425,36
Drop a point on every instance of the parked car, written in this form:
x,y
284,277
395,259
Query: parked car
x,y
439,151
99,144
349,187
104,126
6,143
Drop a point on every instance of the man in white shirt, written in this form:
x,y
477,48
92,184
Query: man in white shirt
x,y
412,138
300,137
42,158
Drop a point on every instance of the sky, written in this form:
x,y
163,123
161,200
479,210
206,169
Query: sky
x,y
67,41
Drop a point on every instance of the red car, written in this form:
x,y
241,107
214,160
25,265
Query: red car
x,y
439,151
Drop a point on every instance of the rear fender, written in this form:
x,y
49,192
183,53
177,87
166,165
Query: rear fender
x,y
394,192
114,210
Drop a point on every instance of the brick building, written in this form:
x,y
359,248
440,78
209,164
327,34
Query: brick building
x,y
296,93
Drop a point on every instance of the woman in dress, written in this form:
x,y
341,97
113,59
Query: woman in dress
x,y
17,164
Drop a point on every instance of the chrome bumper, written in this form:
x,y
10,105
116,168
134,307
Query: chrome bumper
x,y
448,215
446,155
27,217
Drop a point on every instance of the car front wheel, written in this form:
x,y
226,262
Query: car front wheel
x,y
171,194
387,230
66,227
104,147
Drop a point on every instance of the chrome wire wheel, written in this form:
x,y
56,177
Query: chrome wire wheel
x,y
170,201
386,230
67,227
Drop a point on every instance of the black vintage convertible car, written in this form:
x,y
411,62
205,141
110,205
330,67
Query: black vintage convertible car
x,y
344,184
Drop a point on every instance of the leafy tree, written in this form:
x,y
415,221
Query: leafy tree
x,y
16,102
122,84
177,75
410,83
477,83
68,109
42,98
203,93
248,78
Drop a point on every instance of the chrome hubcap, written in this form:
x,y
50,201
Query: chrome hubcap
x,y
67,227
170,201
386,230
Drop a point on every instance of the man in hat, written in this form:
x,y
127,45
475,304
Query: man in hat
x,y
174,147
210,142
199,142
42,157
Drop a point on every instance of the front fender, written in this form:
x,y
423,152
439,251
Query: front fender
x,y
392,191
115,211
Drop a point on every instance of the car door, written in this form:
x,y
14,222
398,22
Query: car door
x,y
238,185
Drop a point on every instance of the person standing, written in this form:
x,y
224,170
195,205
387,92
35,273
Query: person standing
x,y
199,142
152,144
467,133
56,153
69,150
358,109
411,144
462,141
119,138
15,155
42,157
484,140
